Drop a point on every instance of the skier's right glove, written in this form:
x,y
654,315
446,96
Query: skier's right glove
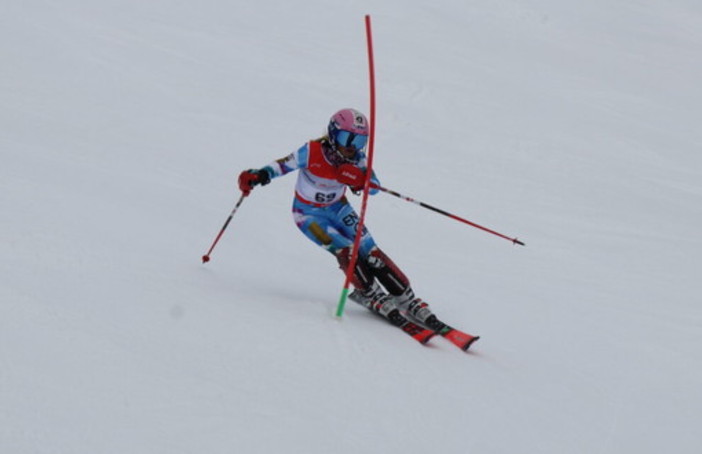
x,y
352,176
250,178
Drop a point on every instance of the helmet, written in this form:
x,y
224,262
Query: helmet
x,y
348,133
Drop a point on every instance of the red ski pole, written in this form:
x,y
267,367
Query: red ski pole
x,y
445,213
206,257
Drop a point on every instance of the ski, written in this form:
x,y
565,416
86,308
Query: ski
x,y
458,338
417,332
418,311
455,336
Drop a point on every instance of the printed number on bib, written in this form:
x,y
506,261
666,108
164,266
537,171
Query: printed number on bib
x,y
322,197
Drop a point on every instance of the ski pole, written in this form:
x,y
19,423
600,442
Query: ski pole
x,y
445,213
206,257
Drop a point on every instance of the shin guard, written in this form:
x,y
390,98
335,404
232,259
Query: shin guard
x,y
362,277
388,273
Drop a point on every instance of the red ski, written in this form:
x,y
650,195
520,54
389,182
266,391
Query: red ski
x,y
418,333
459,338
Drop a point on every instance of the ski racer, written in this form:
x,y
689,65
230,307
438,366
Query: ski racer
x,y
327,166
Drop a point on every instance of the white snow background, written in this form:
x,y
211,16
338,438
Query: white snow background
x,y
572,125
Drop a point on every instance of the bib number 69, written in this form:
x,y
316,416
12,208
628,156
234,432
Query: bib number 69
x,y
322,197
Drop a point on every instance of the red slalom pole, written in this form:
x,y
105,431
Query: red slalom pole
x,y
369,172
445,213
206,257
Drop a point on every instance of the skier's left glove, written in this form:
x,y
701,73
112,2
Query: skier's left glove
x,y
250,178
351,176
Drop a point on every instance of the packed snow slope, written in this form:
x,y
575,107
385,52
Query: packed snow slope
x,y
572,125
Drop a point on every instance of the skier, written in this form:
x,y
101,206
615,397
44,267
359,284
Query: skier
x,y
321,211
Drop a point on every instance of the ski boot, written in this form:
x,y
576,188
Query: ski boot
x,y
379,302
419,310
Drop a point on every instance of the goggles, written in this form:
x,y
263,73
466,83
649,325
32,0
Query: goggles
x,y
349,139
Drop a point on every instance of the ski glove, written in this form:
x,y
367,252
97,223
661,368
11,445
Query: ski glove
x,y
250,178
351,176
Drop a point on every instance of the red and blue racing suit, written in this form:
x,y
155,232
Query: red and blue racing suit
x,y
320,209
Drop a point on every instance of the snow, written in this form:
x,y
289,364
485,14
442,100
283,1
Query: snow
x,y
571,125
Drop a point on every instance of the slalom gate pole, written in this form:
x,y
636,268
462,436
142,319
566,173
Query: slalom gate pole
x,y
206,257
369,172
445,213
